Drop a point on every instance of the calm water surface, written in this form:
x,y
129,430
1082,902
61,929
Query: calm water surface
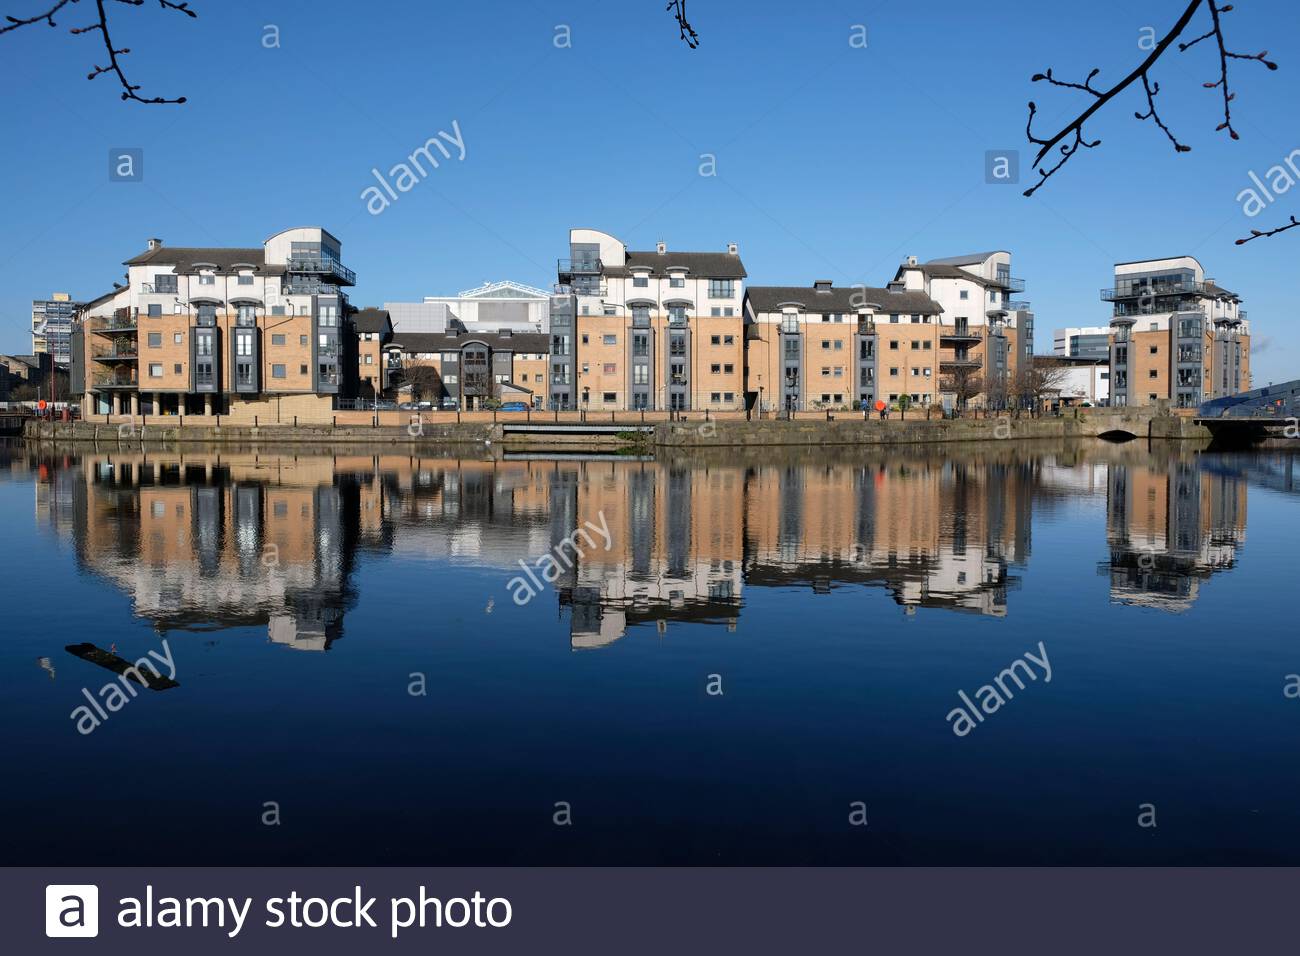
x,y
745,653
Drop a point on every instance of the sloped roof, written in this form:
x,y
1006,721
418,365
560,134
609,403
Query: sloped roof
x,y
187,259
704,265
372,320
970,259
848,299
945,271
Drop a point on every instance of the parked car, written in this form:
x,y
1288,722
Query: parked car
x,y
514,407
425,406
407,406
450,404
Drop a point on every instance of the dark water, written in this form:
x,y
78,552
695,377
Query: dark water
x,y
745,654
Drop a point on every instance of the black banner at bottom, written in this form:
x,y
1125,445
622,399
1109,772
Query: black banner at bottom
x,y
143,910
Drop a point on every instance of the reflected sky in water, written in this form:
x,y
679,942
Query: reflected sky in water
x,y
842,599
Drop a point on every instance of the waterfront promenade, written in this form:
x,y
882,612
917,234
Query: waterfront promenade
x,y
689,429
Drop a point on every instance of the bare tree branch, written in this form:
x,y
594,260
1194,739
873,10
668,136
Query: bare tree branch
x,y
1068,140
129,90
684,26
1257,234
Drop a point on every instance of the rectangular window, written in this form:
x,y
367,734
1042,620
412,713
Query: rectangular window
x,y
965,294
176,369
728,340
610,368
893,345
155,370
164,283
609,340
277,371
716,340
715,397
178,338
640,282
155,340
728,369
245,278
826,344
722,288
610,397
640,374
641,344
278,339
246,316
728,396
207,278
715,369
676,282
155,310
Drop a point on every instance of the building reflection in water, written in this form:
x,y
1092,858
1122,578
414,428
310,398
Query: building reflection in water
x,y
1171,522
204,541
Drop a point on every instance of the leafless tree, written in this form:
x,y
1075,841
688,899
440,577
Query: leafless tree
x,y
1070,138
130,91
964,384
425,381
1036,380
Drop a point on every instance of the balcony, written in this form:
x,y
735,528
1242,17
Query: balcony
x,y
960,333
866,326
1146,291
126,352
585,266
322,265
1019,305
958,362
124,320
121,378
1006,281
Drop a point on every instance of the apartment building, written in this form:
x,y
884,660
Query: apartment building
x,y
263,331
646,330
374,333
823,346
987,337
52,326
469,369
1176,336
1082,342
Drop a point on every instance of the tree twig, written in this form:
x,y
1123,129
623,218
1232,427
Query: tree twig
x,y
1257,234
1071,136
130,91
687,31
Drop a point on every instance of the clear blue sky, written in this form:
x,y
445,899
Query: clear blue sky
x,y
833,162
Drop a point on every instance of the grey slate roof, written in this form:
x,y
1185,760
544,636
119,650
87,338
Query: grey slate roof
x,y
187,259
971,259
945,271
446,342
372,320
848,299
704,265
1214,289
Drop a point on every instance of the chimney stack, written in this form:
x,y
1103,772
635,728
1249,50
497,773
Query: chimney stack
x,y
661,248
733,248
155,245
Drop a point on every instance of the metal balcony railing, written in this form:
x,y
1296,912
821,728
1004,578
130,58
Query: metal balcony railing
x,y
126,352
322,265
1007,281
584,266
1136,290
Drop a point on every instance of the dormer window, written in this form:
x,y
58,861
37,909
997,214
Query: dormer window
x,y
207,278
641,280
245,278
